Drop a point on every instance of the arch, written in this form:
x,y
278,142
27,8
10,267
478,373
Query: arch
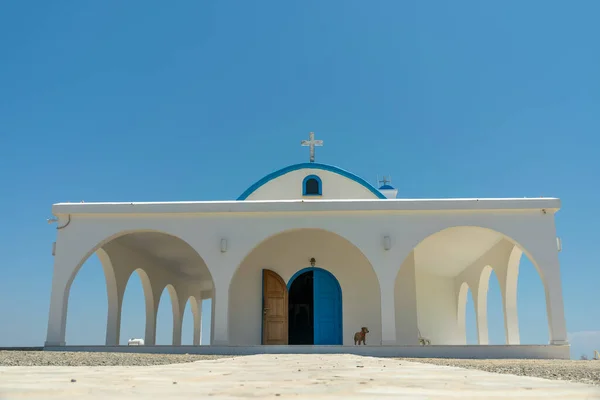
x,y
436,231
148,305
87,322
196,312
175,311
323,167
117,274
321,336
481,305
286,252
423,249
312,180
110,238
495,311
303,270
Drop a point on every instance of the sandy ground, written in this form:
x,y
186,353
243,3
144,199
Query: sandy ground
x,y
310,376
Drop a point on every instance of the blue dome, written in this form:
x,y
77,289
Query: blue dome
x,y
387,187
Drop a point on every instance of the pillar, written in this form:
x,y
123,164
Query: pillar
x,y
65,266
388,312
220,316
197,312
405,301
554,299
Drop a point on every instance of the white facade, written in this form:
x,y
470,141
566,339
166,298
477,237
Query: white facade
x,y
403,266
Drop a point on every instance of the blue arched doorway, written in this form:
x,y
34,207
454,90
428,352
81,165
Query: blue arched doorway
x,y
315,308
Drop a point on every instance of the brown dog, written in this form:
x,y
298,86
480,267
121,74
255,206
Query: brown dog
x,y
361,336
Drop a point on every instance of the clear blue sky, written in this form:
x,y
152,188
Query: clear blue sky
x,y
195,100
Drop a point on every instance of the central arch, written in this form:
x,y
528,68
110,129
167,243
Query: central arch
x,y
287,254
316,292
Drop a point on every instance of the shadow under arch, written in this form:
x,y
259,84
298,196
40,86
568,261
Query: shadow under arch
x,y
441,248
520,247
117,275
289,251
122,233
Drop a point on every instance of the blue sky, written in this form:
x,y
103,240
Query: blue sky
x,y
189,100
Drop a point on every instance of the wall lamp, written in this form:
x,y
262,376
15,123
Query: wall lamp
x,y
223,245
387,243
313,262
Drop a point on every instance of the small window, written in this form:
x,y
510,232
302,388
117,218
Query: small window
x,y
311,186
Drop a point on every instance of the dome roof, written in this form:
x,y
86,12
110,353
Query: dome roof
x,y
310,165
387,187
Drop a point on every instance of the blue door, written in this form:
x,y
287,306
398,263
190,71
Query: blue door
x,y
327,308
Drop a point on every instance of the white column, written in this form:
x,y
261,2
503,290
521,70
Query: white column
x,y
545,255
220,320
479,293
508,275
58,312
64,269
554,305
178,303
388,312
197,312
405,302
116,280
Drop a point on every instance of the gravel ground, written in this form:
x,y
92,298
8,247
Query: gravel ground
x,y
567,370
93,359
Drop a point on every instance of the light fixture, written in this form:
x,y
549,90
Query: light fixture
x,y
313,262
558,244
223,245
387,243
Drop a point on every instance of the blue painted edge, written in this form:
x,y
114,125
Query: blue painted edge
x,y
386,187
323,167
315,177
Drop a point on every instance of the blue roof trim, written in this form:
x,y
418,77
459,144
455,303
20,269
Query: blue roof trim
x,y
323,167
386,187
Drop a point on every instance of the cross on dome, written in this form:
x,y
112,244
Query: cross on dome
x,y
311,143
385,181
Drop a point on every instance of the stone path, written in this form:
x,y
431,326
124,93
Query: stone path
x,y
272,376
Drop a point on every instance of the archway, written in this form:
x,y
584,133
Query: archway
x,y
449,258
138,300
87,319
168,317
167,260
285,254
315,308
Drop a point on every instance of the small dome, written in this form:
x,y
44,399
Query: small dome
x,y
387,187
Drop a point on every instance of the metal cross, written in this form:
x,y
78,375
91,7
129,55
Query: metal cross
x,y
385,181
311,142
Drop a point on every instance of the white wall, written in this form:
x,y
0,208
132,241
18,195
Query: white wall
x,y
289,186
245,225
437,309
290,252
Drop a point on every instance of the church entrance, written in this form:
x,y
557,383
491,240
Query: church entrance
x,y
301,309
308,310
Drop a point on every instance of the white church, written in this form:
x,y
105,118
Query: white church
x,y
310,254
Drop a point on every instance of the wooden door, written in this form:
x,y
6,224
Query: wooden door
x,y
275,309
